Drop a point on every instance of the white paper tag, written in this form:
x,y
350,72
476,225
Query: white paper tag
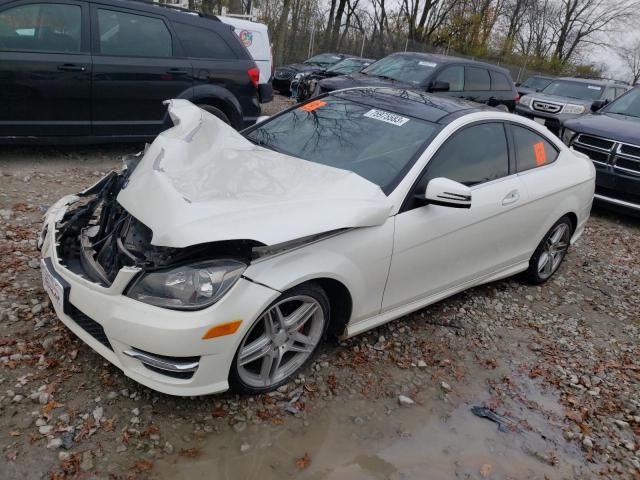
x,y
593,87
427,64
388,117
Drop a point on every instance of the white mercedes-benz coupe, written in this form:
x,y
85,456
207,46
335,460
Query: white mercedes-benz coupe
x,y
221,259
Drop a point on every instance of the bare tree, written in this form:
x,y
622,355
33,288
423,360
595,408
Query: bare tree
x,y
631,58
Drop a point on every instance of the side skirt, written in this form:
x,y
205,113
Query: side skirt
x,y
387,316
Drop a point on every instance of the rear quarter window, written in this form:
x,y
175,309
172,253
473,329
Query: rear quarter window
x,y
532,149
200,42
476,78
499,81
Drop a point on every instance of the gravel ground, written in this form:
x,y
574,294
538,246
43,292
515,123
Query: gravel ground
x,y
559,365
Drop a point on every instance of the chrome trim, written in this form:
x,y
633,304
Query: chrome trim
x,y
547,107
634,172
620,153
594,147
615,201
161,363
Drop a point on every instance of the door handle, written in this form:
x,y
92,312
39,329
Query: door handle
x,y
176,71
512,197
70,67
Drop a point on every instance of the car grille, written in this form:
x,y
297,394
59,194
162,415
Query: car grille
x,y
546,107
603,151
283,75
90,326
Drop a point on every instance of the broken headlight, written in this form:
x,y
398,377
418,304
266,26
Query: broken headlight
x,y
189,287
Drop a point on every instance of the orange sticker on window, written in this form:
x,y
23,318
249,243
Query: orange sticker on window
x,y
311,106
541,155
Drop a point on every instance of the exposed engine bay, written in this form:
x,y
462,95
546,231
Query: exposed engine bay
x,y
98,237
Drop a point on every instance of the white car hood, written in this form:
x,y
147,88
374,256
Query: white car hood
x,y
201,181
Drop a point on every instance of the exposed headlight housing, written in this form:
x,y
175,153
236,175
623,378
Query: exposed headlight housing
x,y
189,287
301,75
526,101
572,109
567,135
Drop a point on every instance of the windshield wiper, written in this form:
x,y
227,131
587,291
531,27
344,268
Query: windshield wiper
x,y
262,143
386,77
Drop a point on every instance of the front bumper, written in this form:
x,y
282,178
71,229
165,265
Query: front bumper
x,y
617,189
113,324
553,121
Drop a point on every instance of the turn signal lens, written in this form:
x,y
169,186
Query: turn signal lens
x,y
222,329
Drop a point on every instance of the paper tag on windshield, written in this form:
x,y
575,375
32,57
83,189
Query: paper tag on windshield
x,y
387,117
592,87
427,64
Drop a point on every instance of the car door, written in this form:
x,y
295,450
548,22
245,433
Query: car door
x,y
45,69
477,84
536,158
437,248
137,64
454,76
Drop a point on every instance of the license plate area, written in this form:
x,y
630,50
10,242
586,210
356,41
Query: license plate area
x,y
56,287
541,121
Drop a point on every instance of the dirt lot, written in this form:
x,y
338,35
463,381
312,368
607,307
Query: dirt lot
x,y
556,366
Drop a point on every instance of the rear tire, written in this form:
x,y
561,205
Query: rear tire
x,y
282,341
216,112
551,251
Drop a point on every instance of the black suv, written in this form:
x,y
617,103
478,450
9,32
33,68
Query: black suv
x,y
451,76
282,76
611,138
99,70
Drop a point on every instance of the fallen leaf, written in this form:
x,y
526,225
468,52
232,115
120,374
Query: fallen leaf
x,y
190,452
485,470
143,466
303,462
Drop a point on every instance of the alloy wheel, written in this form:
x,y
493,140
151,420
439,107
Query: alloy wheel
x,y
554,251
280,341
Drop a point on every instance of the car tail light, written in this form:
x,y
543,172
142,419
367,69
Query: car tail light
x,y
254,76
517,98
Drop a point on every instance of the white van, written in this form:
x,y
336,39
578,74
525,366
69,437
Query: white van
x,y
255,36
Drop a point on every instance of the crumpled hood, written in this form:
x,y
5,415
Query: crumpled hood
x,y
201,181
621,128
361,80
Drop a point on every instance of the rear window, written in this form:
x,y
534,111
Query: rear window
x,y
532,150
377,144
203,43
499,81
476,79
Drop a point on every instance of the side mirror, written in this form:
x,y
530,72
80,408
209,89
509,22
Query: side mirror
x,y
597,105
438,87
518,84
447,193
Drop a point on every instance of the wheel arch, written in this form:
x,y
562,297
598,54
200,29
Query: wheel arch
x,y
219,97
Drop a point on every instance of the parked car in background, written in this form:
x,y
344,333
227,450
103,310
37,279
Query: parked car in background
x,y
533,84
99,70
304,84
611,138
255,37
449,76
221,259
283,76
566,98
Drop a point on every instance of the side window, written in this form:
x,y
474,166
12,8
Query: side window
x,y
620,91
41,27
474,155
476,79
454,76
609,94
532,150
202,43
133,35
499,81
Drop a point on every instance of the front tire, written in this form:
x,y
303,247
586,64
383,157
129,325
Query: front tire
x,y
551,251
282,341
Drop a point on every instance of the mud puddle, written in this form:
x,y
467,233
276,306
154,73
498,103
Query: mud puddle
x,y
354,439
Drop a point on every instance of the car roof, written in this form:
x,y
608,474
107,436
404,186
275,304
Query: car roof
x,y
421,105
445,59
594,81
167,9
